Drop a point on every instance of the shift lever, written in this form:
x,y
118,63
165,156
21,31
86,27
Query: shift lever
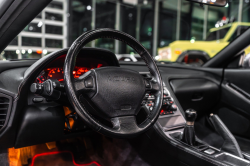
x,y
189,133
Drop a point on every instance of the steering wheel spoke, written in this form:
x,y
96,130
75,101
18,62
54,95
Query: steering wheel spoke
x,y
151,85
85,84
125,124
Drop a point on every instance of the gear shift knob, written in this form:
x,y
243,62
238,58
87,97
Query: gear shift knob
x,y
190,116
189,133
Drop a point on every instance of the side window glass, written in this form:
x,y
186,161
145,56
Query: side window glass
x,y
238,32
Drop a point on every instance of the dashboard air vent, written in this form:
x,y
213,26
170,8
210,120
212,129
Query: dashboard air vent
x,y
5,103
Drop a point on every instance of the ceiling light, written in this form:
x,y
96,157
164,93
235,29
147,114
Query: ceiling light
x,y
88,7
40,24
45,51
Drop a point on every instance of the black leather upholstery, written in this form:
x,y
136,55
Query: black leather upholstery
x,y
230,144
122,131
189,135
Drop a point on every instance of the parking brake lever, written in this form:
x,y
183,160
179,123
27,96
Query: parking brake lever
x,y
230,144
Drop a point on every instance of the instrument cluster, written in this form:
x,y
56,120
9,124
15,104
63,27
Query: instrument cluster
x,y
57,73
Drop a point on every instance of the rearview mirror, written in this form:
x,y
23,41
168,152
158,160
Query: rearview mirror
x,y
220,3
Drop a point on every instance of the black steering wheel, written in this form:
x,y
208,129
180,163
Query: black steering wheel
x,y
115,92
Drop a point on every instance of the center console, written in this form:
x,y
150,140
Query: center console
x,y
170,115
180,133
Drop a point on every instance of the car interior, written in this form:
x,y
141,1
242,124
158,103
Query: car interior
x,y
81,106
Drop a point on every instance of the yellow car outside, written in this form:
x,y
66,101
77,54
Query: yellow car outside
x,y
210,48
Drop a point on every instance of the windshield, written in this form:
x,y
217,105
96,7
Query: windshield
x,y
173,31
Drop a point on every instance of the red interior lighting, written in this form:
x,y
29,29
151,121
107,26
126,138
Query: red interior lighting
x,y
57,152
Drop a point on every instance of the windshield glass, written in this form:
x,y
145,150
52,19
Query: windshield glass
x,y
173,31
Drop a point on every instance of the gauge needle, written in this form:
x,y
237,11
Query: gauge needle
x,y
39,80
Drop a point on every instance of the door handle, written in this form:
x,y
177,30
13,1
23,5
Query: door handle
x,y
197,97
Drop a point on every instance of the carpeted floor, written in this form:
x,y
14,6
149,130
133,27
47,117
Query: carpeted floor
x,y
84,150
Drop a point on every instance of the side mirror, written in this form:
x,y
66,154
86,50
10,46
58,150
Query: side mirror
x,y
220,3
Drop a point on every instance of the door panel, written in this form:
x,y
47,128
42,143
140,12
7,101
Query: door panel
x,y
234,109
238,77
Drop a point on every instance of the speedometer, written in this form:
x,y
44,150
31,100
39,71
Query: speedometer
x,y
55,73
78,71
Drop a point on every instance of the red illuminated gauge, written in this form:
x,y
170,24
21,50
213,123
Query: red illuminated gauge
x,y
99,65
41,78
55,73
78,71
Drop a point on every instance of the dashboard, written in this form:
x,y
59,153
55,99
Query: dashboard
x,y
39,119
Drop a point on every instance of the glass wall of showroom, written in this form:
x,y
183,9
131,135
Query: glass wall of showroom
x,y
154,23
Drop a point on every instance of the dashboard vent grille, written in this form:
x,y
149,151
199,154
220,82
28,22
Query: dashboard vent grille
x,y
4,107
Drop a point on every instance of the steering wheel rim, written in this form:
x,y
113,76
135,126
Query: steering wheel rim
x,y
123,126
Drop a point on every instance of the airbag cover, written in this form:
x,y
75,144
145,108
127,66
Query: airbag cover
x,y
119,91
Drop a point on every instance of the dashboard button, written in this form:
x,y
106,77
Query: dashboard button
x,y
37,100
152,97
147,84
36,88
171,102
173,107
165,102
89,82
168,98
150,104
209,151
144,102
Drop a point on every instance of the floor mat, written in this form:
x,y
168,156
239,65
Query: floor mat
x,y
92,150
58,158
116,152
